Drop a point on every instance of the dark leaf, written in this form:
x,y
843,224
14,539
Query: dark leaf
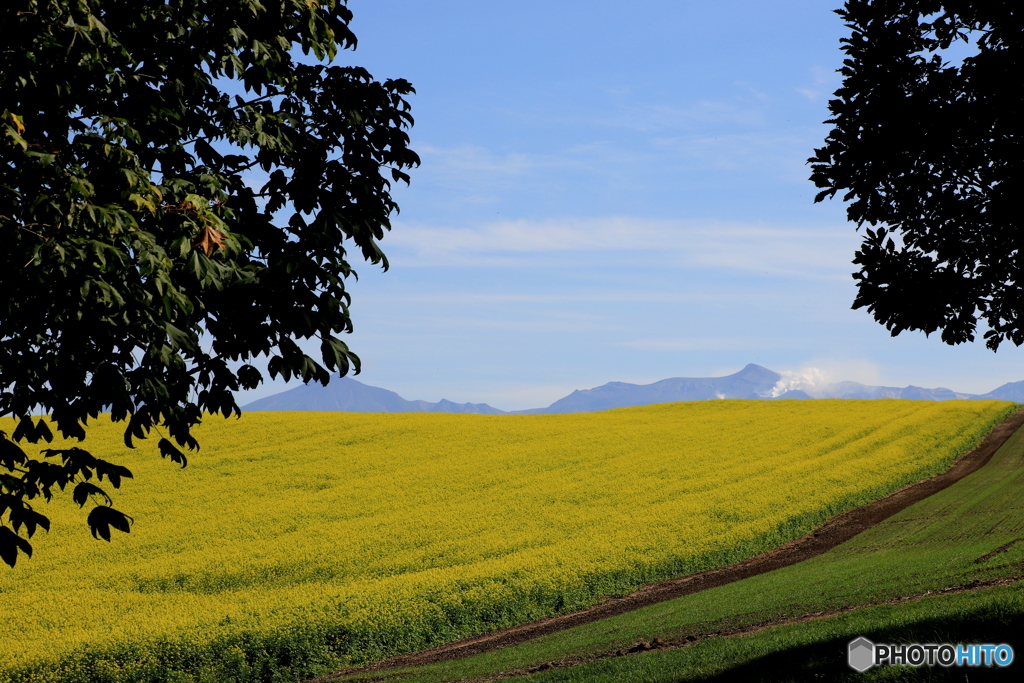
x,y
11,454
102,517
76,461
43,476
168,450
25,430
84,489
43,431
24,515
138,427
112,472
10,544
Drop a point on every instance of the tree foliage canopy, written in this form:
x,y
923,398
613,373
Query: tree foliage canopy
x,y
930,152
141,269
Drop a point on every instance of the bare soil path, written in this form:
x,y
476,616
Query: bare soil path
x,y
832,533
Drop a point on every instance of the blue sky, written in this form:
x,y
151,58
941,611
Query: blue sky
x,y
618,191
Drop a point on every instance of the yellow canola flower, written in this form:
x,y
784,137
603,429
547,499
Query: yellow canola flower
x,y
432,523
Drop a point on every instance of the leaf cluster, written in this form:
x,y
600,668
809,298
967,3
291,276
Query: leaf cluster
x,y
144,267
929,153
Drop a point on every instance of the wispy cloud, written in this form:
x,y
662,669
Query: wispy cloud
x,y
739,103
731,343
651,117
817,251
471,174
781,155
712,296
473,158
472,165
823,83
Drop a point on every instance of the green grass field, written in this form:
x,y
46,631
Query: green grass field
x,y
816,650
936,544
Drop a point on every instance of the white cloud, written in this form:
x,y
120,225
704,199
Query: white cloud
x,y
813,378
805,379
818,251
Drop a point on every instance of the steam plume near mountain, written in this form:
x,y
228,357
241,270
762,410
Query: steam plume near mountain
x,y
345,394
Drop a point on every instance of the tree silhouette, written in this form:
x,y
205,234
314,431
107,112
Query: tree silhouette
x,y
928,152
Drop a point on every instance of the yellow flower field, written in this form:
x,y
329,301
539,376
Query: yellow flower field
x,y
347,536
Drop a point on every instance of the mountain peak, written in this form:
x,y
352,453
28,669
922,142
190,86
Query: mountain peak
x,y
752,382
760,375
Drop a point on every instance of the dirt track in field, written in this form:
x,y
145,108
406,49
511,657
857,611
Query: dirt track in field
x,y
832,533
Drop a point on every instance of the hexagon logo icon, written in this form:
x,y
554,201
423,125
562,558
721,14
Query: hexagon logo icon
x,y
861,654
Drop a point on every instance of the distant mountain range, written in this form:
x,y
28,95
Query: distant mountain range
x,y
345,394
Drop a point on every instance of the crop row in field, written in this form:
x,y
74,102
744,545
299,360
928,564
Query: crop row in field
x,y
298,542
960,539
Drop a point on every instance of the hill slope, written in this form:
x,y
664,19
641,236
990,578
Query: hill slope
x,y
942,551
340,538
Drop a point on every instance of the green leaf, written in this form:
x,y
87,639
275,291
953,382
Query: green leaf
x,y
104,274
